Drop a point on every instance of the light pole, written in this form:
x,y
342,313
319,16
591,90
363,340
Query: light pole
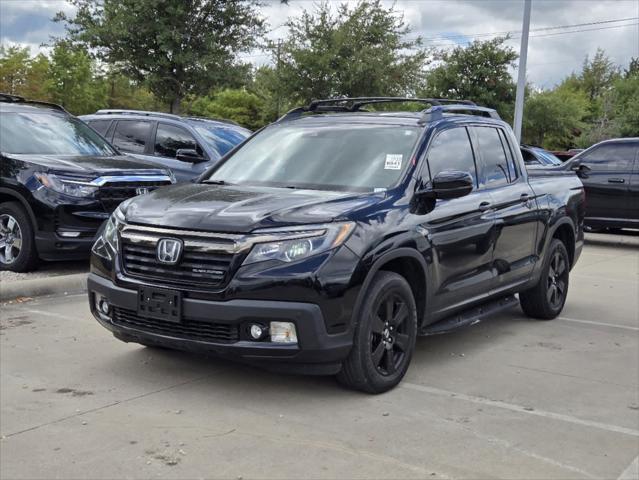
x,y
521,74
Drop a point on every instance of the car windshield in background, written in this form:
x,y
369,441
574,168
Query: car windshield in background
x,y
221,138
357,157
552,159
49,134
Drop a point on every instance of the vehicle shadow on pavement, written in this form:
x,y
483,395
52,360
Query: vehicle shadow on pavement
x,y
242,379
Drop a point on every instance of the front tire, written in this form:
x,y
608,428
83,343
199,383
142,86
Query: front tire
x,y
384,337
546,299
17,245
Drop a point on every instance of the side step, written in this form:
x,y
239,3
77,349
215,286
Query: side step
x,y
470,316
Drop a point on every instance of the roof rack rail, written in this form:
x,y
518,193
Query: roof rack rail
x,y
436,112
115,111
9,98
354,104
213,119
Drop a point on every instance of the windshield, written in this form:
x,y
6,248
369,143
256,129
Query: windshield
x,y
45,133
221,139
549,157
338,157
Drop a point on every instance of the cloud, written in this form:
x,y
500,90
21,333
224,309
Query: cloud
x,y
442,24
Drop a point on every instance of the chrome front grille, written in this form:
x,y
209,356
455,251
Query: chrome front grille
x,y
207,260
111,194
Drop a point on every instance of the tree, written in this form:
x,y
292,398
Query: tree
x,y
241,106
553,119
14,68
178,47
598,74
73,82
354,52
477,72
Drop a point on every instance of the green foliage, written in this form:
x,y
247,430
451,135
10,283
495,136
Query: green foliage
x,y
478,72
73,82
14,68
554,119
178,47
355,52
243,107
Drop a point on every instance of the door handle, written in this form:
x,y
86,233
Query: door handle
x,y
524,198
484,206
616,180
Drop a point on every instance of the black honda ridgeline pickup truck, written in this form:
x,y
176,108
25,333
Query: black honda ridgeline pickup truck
x,y
328,241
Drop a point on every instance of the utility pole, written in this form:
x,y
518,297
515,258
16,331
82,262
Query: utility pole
x,y
277,73
521,74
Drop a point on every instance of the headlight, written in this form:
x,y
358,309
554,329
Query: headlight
x,y
73,187
106,246
299,243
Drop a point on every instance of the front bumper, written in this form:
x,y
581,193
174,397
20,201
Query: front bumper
x,y
316,351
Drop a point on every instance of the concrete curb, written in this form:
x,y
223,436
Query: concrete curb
x,y
74,283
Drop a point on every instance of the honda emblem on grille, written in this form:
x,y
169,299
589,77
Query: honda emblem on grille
x,y
169,250
142,190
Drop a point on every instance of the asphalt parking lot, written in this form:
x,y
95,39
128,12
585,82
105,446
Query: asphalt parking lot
x,y
507,398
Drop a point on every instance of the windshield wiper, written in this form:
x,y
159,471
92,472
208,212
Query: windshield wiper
x,y
217,182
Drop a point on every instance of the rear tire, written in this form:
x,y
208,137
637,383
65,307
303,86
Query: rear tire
x,y
546,299
17,245
384,337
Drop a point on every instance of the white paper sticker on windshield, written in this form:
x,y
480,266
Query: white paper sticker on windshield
x,y
393,161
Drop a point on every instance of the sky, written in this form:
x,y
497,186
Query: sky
x,y
552,53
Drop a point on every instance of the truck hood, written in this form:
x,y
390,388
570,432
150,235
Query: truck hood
x,y
241,209
89,165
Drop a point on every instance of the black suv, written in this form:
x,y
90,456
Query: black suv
x,y
609,171
59,181
185,145
332,238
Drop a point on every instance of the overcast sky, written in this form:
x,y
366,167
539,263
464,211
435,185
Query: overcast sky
x,y
553,53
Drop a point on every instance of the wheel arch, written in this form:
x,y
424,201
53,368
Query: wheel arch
x,y
9,195
564,230
406,262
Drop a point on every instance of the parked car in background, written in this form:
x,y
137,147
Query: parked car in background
x,y
609,171
538,156
59,182
185,145
565,155
334,237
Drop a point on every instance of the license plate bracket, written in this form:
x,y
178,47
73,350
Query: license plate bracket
x,y
160,304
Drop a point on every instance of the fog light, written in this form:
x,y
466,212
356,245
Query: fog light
x,y
69,234
102,305
257,331
283,332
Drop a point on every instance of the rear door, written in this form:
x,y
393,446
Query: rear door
x,y
633,190
607,183
460,230
513,206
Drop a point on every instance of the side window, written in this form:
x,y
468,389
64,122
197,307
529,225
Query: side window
x,y
132,135
611,156
100,126
170,138
451,150
494,166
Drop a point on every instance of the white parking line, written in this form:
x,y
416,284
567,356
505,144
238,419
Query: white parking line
x,y
632,472
520,409
601,324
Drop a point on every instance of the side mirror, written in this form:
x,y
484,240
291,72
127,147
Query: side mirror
x,y
448,184
189,155
580,169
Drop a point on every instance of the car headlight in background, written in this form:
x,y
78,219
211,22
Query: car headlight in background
x,y
311,240
71,186
106,245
